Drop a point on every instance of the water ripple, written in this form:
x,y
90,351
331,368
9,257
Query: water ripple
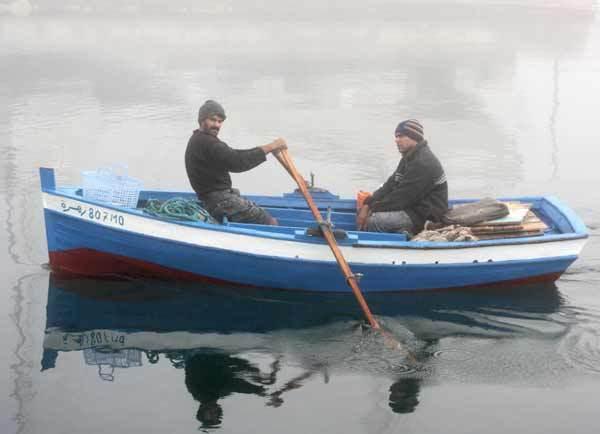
x,y
581,348
453,355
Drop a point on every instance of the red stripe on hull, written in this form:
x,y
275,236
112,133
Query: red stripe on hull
x,y
99,265
544,278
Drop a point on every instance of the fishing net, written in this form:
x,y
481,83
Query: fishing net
x,y
178,209
446,233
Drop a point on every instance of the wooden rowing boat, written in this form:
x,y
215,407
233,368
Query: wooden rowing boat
x,y
96,239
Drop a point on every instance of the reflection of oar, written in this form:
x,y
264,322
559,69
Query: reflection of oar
x,y
275,399
351,278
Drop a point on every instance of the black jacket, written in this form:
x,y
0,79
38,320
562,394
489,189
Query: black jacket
x,y
418,186
208,162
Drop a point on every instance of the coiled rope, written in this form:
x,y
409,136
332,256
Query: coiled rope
x,y
178,208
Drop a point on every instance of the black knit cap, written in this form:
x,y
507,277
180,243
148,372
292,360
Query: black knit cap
x,y
210,108
411,128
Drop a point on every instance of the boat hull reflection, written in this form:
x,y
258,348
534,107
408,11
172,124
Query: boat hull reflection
x,y
239,341
155,316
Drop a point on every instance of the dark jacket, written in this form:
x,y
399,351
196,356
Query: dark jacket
x,y
208,162
418,187
209,376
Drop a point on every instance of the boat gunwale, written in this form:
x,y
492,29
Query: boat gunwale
x,y
290,233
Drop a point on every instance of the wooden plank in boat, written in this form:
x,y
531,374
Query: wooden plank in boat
x,y
511,235
538,226
533,222
497,229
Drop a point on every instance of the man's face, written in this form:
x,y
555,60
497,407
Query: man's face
x,y
212,124
405,143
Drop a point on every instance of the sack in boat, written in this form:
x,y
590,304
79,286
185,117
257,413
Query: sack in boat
x,y
472,213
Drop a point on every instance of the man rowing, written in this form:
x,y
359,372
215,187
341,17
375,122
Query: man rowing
x,y
208,162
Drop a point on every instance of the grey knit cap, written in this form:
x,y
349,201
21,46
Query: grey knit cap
x,y
210,108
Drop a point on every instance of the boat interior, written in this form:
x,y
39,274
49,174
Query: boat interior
x,y
295,218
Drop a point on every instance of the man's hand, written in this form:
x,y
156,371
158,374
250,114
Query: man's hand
x,y
276,145
361,217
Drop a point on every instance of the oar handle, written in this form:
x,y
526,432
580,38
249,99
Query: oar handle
x,y
282,161
286,161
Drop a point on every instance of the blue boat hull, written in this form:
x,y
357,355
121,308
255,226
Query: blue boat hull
x,y
82,247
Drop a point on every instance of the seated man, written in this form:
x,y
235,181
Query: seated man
x,y
208,162
416,192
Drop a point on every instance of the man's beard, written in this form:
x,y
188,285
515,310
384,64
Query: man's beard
x,y
212,131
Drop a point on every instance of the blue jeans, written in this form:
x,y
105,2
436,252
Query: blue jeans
x,y
391,221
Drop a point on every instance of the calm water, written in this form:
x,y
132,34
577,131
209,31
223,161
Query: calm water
x,y
509,95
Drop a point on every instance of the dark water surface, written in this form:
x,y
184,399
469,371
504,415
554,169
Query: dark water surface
x,y
509,95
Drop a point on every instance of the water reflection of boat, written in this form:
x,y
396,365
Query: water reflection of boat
x,y
209,332
161,317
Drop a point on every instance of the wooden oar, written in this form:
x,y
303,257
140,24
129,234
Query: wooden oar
x,y
351,278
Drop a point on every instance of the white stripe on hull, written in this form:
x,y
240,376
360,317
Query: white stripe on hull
x,y
176,340
257,245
